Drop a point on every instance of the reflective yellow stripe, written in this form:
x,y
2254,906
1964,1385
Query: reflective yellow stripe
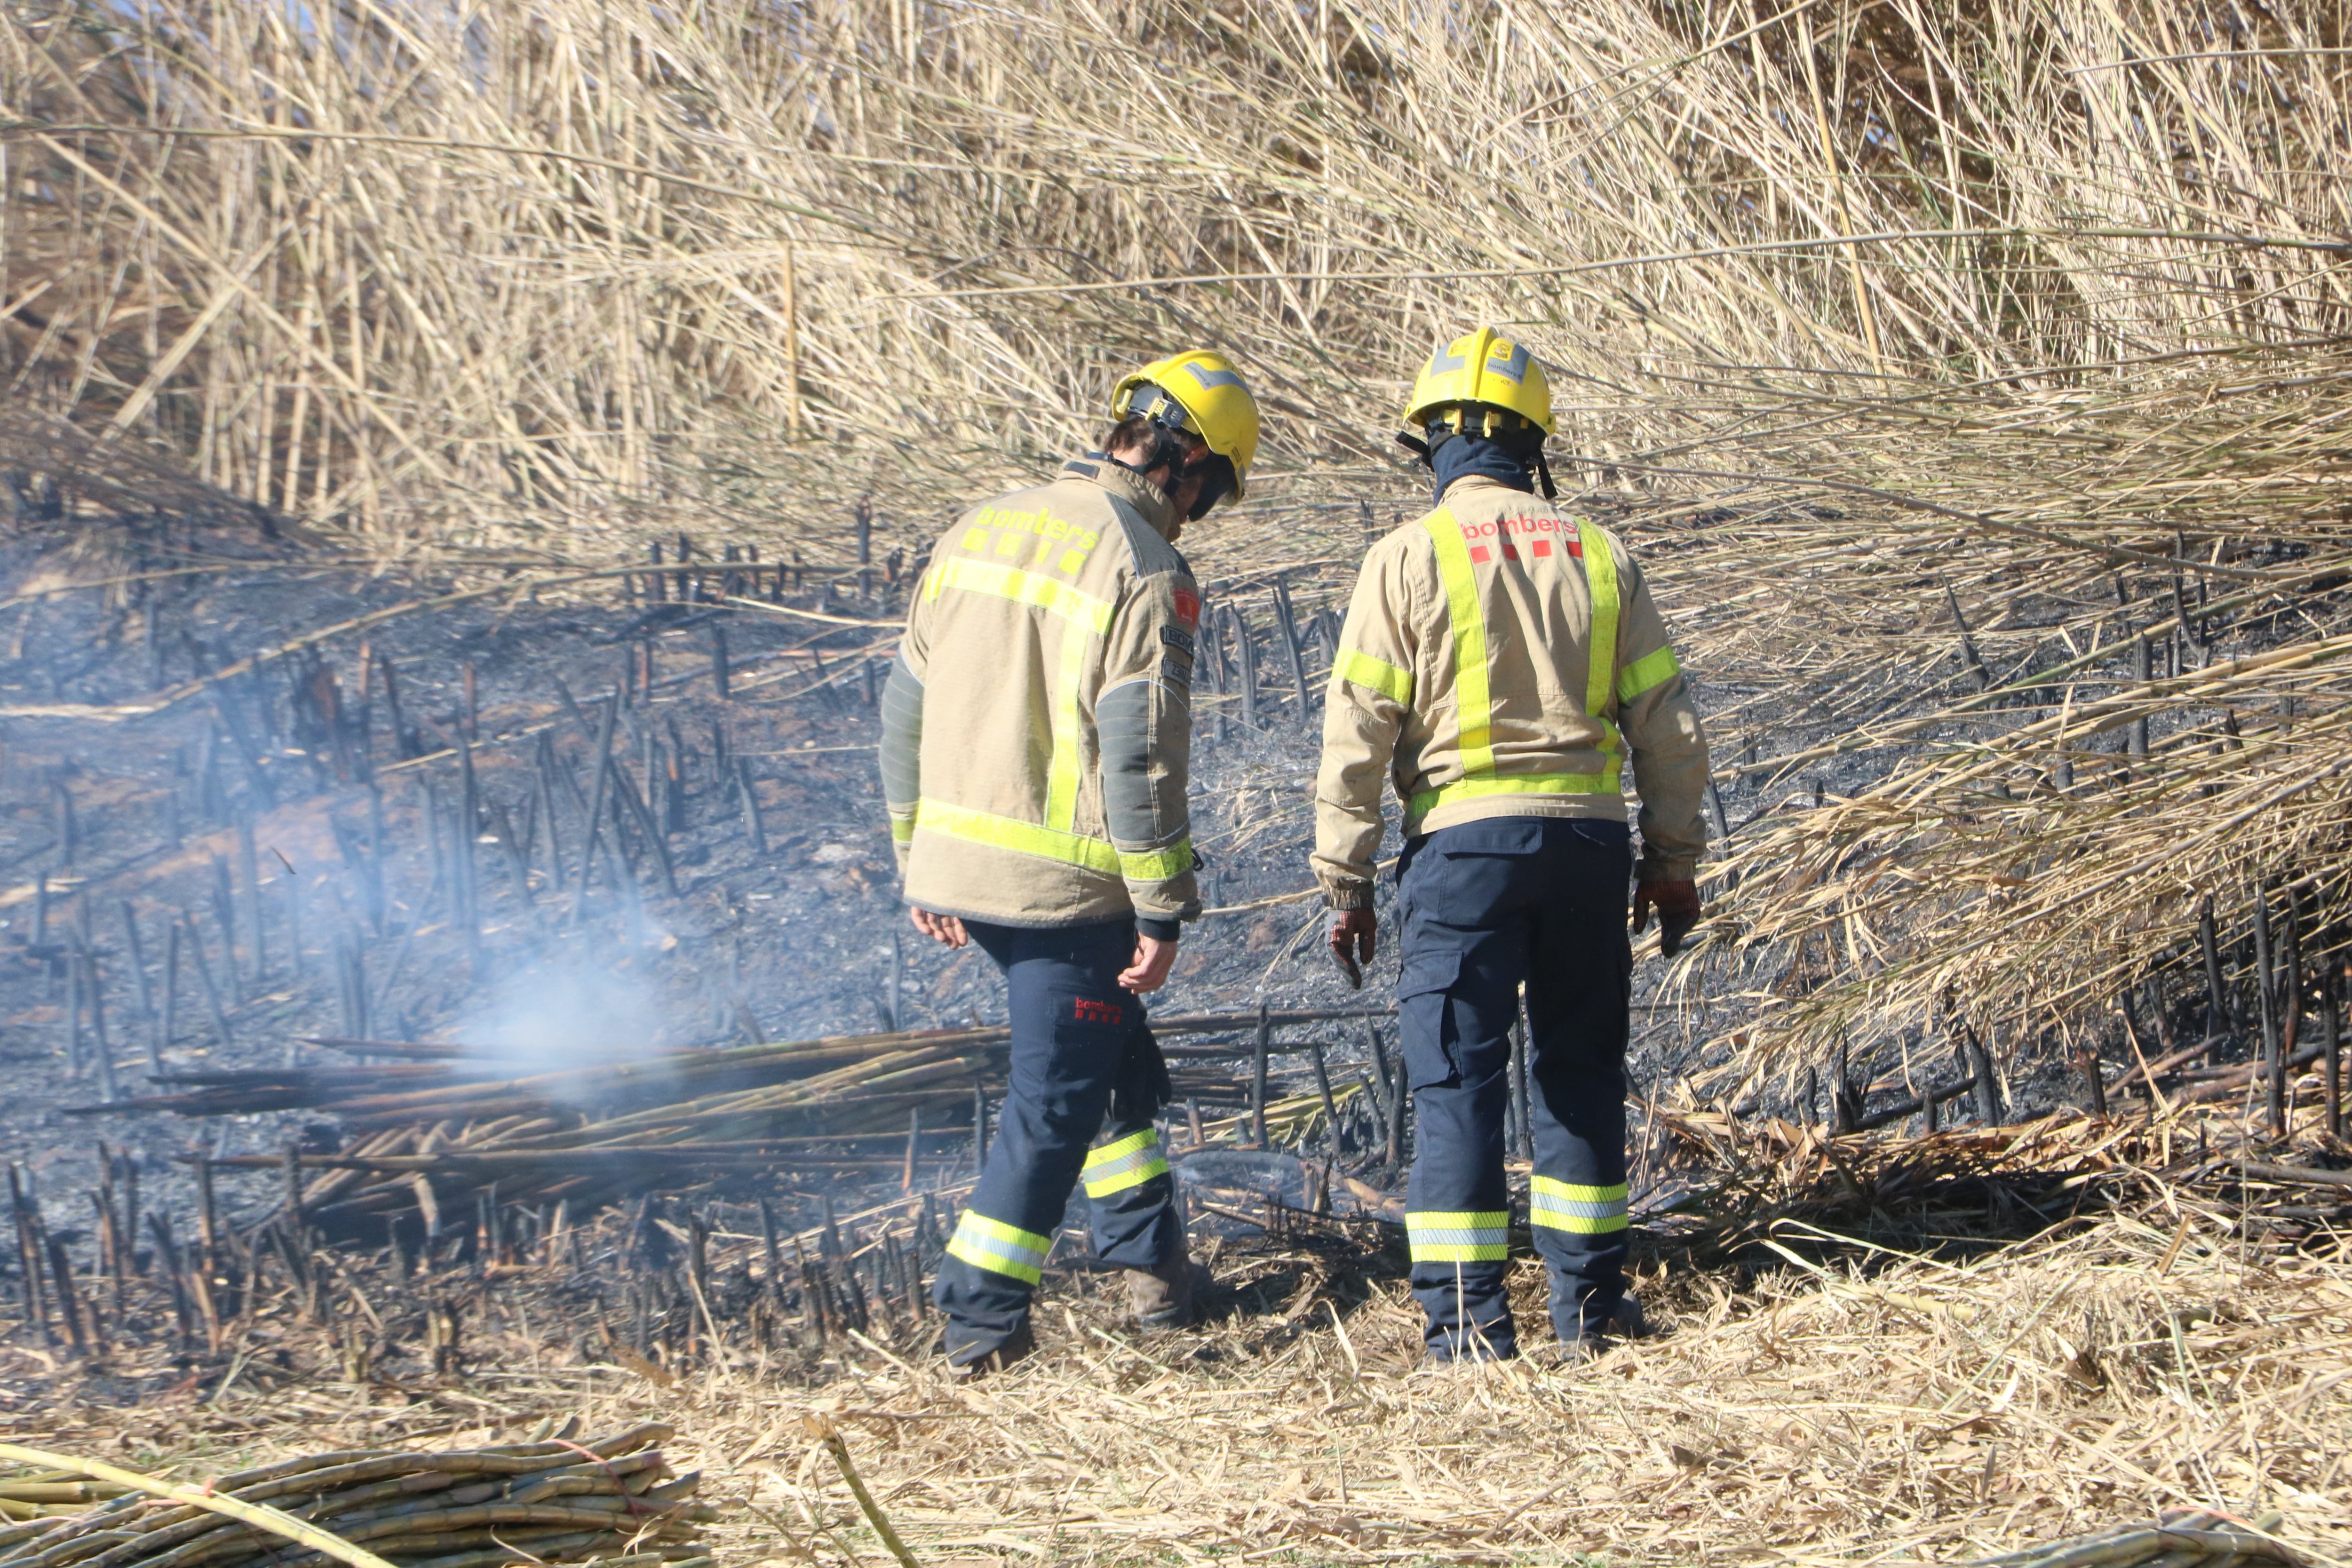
x,y
1473,1237
1128,1162
1050,595
1021,837
999,1248
1425,801
902,827
1650,669
1600,690
1577,1208
1373,675
1157,865
1062,775
1468,616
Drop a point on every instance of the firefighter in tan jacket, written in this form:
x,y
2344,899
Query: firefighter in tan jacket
x,y
1501,662
1036,737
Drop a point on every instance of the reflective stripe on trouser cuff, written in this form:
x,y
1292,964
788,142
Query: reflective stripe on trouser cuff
x,y
1157,865
1374,675
999,1248
1575,1206
902,827
1128,1162
1021,837
1459,1237
1650,669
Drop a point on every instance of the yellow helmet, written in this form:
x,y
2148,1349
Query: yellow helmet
x,y
1208,399
1482,368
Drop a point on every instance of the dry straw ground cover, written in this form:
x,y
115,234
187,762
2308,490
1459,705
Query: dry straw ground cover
x,y
1851,1371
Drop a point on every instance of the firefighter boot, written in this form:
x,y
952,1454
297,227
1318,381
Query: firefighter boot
x,y
973,1362
1168,1297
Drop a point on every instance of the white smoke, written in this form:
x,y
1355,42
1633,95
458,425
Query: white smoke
x,y
566,1012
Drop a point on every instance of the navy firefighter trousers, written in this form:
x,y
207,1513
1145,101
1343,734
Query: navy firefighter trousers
x,y
1084,1071
1483,908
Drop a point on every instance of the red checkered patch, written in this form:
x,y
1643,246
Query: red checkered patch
x,y
1188,607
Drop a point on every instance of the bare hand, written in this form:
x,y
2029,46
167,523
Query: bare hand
x,y
945,930
1678,910
1149,969
1352,934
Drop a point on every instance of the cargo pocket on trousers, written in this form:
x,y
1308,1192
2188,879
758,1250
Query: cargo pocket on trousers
x,y
1421,987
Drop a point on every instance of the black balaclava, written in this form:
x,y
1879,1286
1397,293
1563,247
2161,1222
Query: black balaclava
x,y
1513,457
1505,459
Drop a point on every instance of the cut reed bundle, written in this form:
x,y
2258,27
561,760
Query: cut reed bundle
x,y
554,1500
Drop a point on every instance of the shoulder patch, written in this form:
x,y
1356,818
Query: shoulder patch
x,y
1178,638
1188,610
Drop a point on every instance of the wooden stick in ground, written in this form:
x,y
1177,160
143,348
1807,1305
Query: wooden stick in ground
x,y
258,1516
28,1253
145,992
1331,1108
2291,978
95,994
821,1429
170,1014
2330,1043
1257,1078
204,973
596,803
2266,987
2217,1010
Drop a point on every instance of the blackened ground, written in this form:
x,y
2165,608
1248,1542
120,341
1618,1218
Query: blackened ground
x,y
123,810
134,817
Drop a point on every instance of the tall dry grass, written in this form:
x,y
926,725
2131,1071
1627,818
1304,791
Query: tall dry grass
x,y
1859,313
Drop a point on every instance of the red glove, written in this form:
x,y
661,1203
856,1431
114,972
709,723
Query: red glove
x,y
1678,910
1352,933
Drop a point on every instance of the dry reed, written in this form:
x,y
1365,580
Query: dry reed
x,y
1933,358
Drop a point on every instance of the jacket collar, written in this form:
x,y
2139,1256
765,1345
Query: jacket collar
x,y
1131,488
1473,486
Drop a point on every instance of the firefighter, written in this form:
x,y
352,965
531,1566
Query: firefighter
x,y
1501,662
1036,734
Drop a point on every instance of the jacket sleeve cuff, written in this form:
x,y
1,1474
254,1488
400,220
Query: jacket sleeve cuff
x,y
1159,929
1667,868
1348,896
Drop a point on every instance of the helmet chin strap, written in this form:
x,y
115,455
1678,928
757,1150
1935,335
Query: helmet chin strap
x,y
1465,424
1170,451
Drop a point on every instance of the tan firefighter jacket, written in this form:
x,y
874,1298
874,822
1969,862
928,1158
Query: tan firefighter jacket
x,y
1036,732
1502,658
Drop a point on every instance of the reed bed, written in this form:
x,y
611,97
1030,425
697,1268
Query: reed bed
x,y
1969,379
